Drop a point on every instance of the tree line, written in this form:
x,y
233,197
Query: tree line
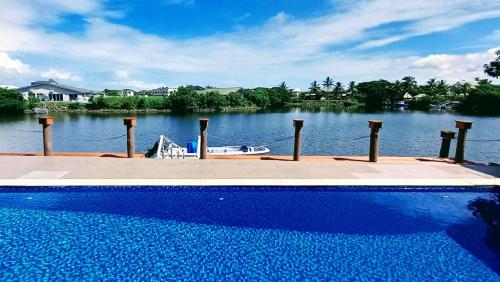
x,y
481,98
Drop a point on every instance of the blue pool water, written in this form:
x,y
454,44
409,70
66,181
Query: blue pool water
x,y
350,234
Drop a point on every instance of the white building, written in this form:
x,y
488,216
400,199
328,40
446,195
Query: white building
x,y
52,91
126,92
296,92
161,91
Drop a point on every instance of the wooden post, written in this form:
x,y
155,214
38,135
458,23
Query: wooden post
x,y
47,134
130,123
462,126
298,124
445,143
375,125
203,135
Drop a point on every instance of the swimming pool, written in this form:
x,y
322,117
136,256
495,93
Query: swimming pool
x,y
187,233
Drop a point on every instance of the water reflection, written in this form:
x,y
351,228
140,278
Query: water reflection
x,y
489,211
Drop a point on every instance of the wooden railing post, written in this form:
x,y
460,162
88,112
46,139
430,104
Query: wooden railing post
x,y
47,134
462,126
445,143
130,123
375,126
203,137
298,124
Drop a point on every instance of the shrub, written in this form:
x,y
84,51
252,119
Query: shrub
x,y
11,101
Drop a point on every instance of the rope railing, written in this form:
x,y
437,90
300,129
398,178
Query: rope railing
x,y
410,145
483,140
409,140
102,139
21,130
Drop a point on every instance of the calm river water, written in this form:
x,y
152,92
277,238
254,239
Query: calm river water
x,y
324,133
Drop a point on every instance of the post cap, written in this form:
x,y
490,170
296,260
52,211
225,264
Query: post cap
x,y
463,124
375,123
204,121
448,134
298,123
130,121
47,120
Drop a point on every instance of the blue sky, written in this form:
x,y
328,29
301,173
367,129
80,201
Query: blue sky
x,y
115,44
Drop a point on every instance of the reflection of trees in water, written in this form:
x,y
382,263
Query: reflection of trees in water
x,y
489,211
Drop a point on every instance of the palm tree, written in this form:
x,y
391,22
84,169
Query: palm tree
x,y
283,85
328,83
338,90
351,88
398,86
409,84
314,87
442,88
431,87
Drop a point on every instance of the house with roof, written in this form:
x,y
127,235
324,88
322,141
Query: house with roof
x,y
161,91
126,92
52,91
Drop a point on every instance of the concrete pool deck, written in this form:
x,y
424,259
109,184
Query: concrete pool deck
x,y
266,171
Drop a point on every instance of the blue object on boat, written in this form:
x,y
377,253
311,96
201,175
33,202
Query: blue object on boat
x,y
192,146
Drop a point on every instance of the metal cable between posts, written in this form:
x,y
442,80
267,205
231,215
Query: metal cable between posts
x,y
362,137
273,141
282,139
22,130
409,141
95,140
55,134
484,140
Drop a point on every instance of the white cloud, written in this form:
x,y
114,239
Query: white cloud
x,y
8,86
284,48
180,2
7,64
58,74
495,35
242,17
454,67
123,80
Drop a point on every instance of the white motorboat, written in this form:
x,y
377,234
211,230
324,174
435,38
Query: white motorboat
x,y
167,149
41,110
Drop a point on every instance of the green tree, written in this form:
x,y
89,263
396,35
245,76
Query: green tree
x,y
431,86
259,97
212,100
442,88
185,99
328,83
278,97
351,88
493,68
398,88
483,99
11,101
409,85
316,90
461,88
314,87
236,99
338,90
376,94
283,85
33,102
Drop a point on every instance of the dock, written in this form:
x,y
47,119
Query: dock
x,y
78,170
